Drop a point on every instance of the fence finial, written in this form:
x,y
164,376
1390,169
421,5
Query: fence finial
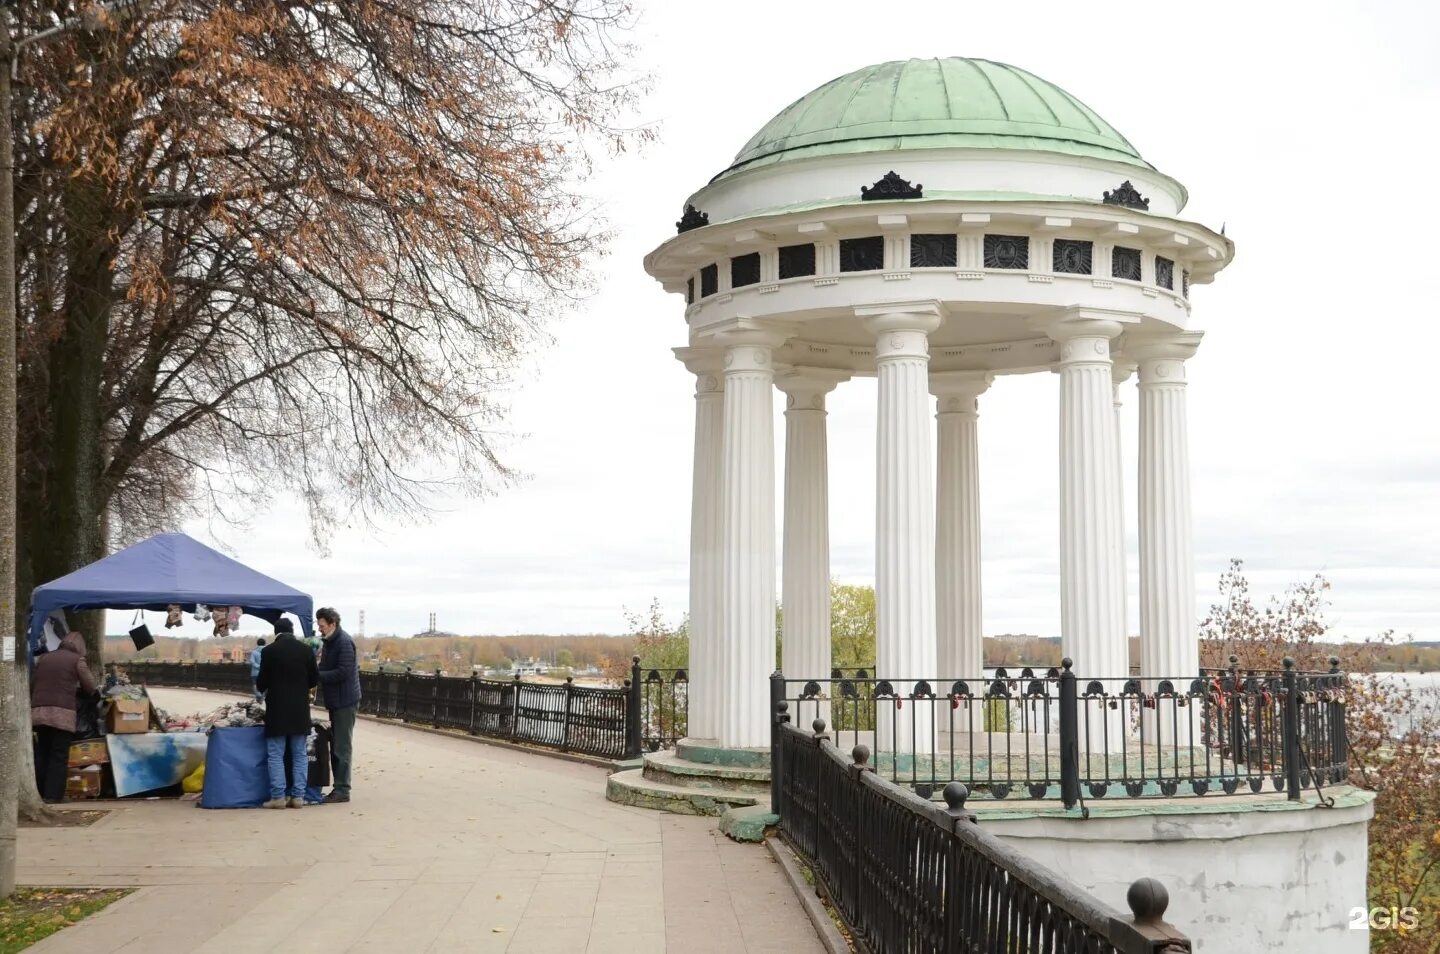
x,y
1148,900
1334,665
955,794
1067,663
861,755
819,726
1289,662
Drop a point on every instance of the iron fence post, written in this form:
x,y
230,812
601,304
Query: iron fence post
x,y
569,700
778,709
779,716
515,708
435,700
1069,736
634,711
1290,727
405,696
474,692
1339,750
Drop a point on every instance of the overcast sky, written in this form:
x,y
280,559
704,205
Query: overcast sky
x,y
1309,130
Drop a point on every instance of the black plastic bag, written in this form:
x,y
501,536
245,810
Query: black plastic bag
x,y
87,717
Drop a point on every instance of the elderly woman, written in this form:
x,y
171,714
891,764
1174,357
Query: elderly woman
x,y
58,676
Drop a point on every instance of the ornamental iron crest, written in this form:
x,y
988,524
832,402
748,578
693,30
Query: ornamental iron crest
x,y
1128,196
891,186
694,219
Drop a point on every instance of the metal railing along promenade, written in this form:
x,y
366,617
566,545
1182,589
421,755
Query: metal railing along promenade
x,y
645,713
1052,735
910,876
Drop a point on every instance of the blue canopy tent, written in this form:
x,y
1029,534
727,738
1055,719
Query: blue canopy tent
x,y
168,568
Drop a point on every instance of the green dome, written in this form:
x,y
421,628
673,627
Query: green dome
x,y
951,103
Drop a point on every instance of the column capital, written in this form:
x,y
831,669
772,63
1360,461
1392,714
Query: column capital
x,y
1177,347
805,388
901,331
901,316
706,364
1162,358
958,391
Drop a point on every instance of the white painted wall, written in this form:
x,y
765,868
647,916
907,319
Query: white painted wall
x,y
1247,881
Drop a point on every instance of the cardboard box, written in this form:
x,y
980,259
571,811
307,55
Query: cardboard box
x,y
83,782
128,716
89,752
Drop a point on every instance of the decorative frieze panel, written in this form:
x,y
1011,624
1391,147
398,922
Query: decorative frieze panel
x,y
797,260
1007,251
1164,272
745,270
862,254
933,251
1125,263
1073,256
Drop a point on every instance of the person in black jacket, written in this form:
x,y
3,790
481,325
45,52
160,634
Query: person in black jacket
x,y
340,688
287,674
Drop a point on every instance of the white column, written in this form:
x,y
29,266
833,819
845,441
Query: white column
x,y
1092,588
958,594
1168,639
1120,371
805,569
904,517
747,555
707,686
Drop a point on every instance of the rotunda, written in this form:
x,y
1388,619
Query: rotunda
x,y
934,224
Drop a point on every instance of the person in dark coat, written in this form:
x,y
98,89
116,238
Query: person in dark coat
x,y
58,676
287,674
340,687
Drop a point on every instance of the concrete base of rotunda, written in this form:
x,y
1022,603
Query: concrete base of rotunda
x,y
1244,873
701,777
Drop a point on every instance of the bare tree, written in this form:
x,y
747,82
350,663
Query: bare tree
x,y
274,245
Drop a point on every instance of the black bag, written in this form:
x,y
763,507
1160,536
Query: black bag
x,y
141,637
87,717
140,634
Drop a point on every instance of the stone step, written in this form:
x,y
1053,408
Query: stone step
x,y
671,769
712,753
633,788
748,824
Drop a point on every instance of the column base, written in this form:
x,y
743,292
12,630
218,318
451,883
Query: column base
x,y
711,752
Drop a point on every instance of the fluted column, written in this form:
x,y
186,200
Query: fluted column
x,y
805,568
958,593
707,686
904,516
747,556
1168,639
1120,370
1092,588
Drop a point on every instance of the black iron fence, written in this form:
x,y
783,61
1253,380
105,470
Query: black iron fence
x,y
909,876
1050,735
646,713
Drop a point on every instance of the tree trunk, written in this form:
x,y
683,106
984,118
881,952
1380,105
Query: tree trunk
x,y
74,500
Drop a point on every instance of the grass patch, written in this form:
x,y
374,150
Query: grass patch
x,y
31,914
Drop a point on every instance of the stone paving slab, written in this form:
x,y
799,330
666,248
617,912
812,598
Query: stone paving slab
x,y
448,846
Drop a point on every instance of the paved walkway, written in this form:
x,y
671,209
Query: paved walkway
x,y
449,845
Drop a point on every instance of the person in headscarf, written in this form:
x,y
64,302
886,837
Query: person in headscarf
x,y
58,676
